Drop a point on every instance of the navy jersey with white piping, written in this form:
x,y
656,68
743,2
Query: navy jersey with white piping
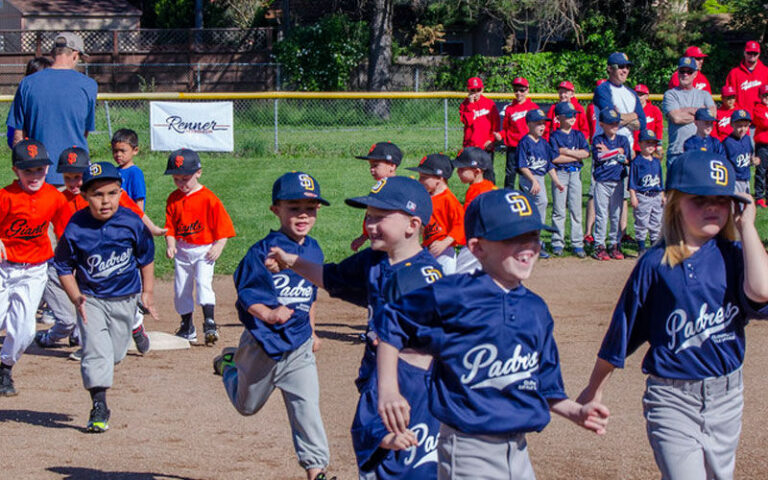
x,y
739,152
495,359
692,315
257,285
606,165
706,144
573,140
535,155
105,256
645,175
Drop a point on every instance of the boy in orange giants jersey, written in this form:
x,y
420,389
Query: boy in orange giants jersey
x,y
198,229
470,164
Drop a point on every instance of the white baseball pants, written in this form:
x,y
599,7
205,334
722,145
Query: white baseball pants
x,y
192,272
21,288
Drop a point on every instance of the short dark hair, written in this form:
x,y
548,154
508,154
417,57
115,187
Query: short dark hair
x,y
57,51
37,64
126,135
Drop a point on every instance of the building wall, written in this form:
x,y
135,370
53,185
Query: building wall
x,y
10,18
32,22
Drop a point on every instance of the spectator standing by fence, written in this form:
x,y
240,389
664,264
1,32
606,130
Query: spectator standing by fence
x,y
614,94
481,121
699,80
515,127
748,77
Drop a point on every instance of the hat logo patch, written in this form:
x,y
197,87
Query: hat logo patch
x,y
431,274
179,161
438,171
410,206
718,172
519,204
32,150
94,170
379,185
306,182
71,158
372,148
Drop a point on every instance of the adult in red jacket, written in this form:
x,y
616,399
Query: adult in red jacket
x,y
566,92
481,120
760,121
727,106
699,81
654,119
515,127
748,77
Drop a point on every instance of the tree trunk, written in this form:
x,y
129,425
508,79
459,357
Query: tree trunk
x,y
380,56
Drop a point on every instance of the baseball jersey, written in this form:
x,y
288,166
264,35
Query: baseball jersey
x,y
24,219
481,120
495,360
257,285
581,125
77,202
133,182
654,120
706,144
535,155
692,315
198,218
573,140
760,121
747,83
105,256
476,189
620,97
739,152
700,82
723,126
514,126
606,166
592,113
447,219
645,175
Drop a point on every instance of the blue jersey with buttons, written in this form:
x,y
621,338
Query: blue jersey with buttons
x,y
257,285
645,175
496,363
705,144
692,315
609,170
133,183
105,256
573,140
739,152
535,155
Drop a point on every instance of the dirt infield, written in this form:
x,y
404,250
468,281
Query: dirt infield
x,y
171,419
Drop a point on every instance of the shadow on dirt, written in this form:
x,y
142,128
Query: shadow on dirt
x,y
41,419
79,473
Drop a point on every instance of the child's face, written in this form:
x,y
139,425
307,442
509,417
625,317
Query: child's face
x,y
764,99
704,127
388,229
521,93
73,182
740,128
382,169
187,183
297,217
703,216
537,128
31,179
564,94
431,182
103,197
643,98
569,122
729,102
647,148
610,129
123,153
508,261
468,174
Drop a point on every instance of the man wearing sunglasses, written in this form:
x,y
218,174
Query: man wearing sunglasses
x,y
481,121
748,77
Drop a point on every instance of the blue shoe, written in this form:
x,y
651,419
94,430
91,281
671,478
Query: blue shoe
x,y
557,251
543,254
579,252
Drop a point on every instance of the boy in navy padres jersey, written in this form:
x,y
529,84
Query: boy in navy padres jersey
x,y
496,373
689,298
396,210
278,311
703,140
105,261
646,191
739,150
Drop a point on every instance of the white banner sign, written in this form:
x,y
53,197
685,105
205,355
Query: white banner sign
x,y
206,127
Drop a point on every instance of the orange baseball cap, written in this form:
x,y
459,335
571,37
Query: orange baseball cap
x,y
474,83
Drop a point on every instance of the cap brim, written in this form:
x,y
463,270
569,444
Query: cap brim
x,y
369,201
99,179
512,230
69,169
705,191
25,164
179,171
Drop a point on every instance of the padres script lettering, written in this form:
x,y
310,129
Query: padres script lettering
x,y
500,373
694,333
426,442
288,294
19,229
177,124
115,263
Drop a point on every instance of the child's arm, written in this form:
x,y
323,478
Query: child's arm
x,y
755,256
170,249
633,198
556,181
215,251
272,316
592,416
437,247
316,341
358,242
535,187
399,441
597,381
140,203
69,284
156,231
393,407
148,288
278,259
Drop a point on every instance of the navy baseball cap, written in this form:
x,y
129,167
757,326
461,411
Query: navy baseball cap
x,y
565,109
687,62
618,58
535,115
183,162
435,164
100,171
740,114
387,151
297,186
609,116
648,135
704,115
703,173
501,214
29,153
473,157
397,193
73,160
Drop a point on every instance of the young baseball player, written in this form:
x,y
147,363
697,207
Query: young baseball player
x,y
738,149
566,93
383,160
445,230
514,126
760,119
481,121
646,191
26,208
396,209
198,228
105,262
592,113
654,119
278,310
470,164
689,297
703,140
724,111
496,374
571,148
609,156
534,161
125,146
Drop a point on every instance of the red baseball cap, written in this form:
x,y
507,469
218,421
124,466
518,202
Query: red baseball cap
x,y
763,89
695,52
640,88
566,85
752,46
520,81
728,91
601,81
474,83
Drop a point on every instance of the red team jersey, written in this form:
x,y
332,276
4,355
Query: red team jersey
x,y
760,121
76,203
654,120
747,83
447,219
198,218
723,127
582,124
515,126
699,82
481,120
24,219
476,189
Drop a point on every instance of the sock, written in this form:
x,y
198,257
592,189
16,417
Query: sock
x,y
186,320
208,311
98,394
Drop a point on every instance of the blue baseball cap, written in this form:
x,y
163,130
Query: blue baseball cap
x,y
565,109
397,193
687,62
100,171
740,114
618,58
473,157
73,160
296,186
704,115
609,116
648,135
435,164
703,173
501,214
535,115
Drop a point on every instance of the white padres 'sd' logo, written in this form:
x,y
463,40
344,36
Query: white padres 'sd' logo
x,y
379,185
519,204
431,274
719,172
94,169
306,181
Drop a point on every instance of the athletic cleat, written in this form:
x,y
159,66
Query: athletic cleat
x,y
557,251
626,238
226,359
6,386
323,476
141,339
601,253
589,240
189,333
74,341
98,422
42,340
761,203
210,331
77,355
46,316
579,252
615,253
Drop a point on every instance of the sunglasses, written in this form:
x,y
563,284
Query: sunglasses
x,y
520,89
622,67
475,90
752,53
685,71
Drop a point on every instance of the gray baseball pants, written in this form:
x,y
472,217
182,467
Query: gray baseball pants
x,y
105,336
608,199
648,217
741,186
540,198
256,375
694,425
62,308
482,457
570,198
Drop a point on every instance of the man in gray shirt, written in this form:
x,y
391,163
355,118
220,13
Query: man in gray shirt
x,y
680,105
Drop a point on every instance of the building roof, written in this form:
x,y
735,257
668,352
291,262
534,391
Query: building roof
x,y
79,8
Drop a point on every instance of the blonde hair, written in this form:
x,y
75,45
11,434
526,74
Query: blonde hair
x,y
673,232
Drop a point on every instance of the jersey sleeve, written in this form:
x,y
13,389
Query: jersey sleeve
x,y
581,141
348,279
90,120
222,223
411,321
602,97
60,220
145,245
521,159
253,282
550,377
16,113
65,259
639,111
127,202
170,214
632,181
456,219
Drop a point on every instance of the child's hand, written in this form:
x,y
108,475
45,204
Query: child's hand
x,y
3,254
316,342
535,188
394,411
358,242
214,252
157,231
601,147
278,260
634,202
399,441
437,247
80,307
744,214
148,300
594,416
279,315
560,187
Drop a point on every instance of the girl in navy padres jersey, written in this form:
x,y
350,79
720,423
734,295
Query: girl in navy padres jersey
x,y
690,297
